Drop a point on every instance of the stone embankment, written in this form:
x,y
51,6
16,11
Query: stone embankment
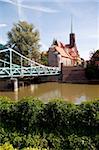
x,y
73,74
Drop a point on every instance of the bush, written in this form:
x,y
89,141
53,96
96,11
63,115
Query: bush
x,y
6,112
6,146
89,120
64,119
26,114
31,148
3,135
96,141
22,115
80,143
54,118
57,125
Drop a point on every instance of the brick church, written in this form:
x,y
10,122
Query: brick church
x,y
64,53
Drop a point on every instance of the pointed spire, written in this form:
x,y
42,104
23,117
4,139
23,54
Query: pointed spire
x,y
71,24
72,35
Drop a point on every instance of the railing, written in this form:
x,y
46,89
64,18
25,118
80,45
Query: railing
x,y
10,69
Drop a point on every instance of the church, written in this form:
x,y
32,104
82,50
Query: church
x,y
67,54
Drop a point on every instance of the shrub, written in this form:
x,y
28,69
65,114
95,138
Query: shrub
x,y
80,143
96,141
31,148
56,125
6,113
26,114
36,141
89,118
54,142
3,135
6,146
54,117
22,115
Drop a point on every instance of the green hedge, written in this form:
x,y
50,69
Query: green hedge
x,y
57,125
65,119
8,146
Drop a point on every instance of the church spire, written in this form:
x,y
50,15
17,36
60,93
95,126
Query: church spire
x,y
71,24
72,35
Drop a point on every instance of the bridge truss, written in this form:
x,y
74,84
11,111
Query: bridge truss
x,y
14,64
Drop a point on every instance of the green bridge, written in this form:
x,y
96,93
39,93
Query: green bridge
x,y
14,65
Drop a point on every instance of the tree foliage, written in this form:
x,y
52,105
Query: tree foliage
x,y
57,125
44,58
92,71
25,38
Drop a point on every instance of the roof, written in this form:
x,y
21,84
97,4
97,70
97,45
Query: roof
x,y
65,50
62,52
73,52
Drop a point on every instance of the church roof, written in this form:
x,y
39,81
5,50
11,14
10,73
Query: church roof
x,y
62,52
73,51
67,50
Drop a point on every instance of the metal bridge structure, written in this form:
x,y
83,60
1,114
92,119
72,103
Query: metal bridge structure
x,y
15,65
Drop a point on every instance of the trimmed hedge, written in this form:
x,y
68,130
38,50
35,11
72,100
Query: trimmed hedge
x,y
57,125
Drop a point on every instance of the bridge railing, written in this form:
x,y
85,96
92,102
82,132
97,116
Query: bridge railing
x,y
10,69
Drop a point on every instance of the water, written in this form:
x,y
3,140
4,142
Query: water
x,y
70,92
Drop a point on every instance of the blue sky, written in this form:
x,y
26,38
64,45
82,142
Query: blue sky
x,y
53,18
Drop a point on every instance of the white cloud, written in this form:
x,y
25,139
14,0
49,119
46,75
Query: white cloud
x,y
40,8
7,1
3,25
37,8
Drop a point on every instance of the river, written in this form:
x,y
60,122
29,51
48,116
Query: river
x,y
45,91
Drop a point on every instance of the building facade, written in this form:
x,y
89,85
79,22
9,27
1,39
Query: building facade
x,y
64,53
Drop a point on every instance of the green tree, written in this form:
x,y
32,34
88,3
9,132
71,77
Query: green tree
x,y
44,58
25,38
2,55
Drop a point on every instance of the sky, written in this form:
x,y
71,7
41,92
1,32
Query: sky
x,y
53,20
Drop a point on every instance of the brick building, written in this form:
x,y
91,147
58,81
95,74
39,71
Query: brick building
x,y
64,53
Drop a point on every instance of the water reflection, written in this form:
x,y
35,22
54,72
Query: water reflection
x,y
70,92
16,95
80,99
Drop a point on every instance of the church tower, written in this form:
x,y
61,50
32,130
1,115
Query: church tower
x,y
72,35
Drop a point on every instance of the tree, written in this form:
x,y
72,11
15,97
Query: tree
x,y
44,58
3,55
25,38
